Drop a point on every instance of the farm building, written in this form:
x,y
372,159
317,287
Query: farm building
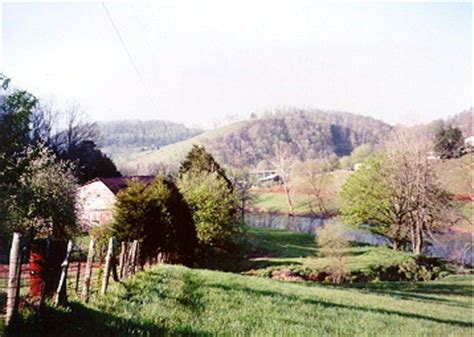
x,y
96,199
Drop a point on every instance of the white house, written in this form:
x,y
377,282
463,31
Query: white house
x,y
96,199
469,141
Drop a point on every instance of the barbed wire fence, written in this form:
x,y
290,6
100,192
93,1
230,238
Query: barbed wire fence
x,y
86,271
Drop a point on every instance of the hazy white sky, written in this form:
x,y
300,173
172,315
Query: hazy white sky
x,y
202,60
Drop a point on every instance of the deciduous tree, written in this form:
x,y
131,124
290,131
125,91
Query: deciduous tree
x,y
213,205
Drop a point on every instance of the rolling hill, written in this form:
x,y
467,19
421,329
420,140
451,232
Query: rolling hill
x,y
123,137
307,133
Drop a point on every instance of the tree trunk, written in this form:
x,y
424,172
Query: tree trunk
x,y
288,197
395,245
418,241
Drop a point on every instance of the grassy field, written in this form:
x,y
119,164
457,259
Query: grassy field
x,y
276,202
456,175
174,300
280,249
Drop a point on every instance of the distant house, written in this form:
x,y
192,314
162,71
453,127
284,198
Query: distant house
x,y
357,166
431,155
265,177
96,199
469,141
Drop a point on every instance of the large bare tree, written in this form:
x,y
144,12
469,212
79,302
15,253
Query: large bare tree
x,y
283,164
314,178
411,175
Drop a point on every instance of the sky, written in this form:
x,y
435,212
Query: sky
x,y
198,62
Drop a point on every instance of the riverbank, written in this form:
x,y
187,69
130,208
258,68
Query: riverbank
x,y
452,245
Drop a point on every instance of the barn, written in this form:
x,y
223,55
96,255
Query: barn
x,y
96,199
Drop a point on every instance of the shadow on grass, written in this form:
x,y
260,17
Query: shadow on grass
x,y
3,302
416,291
326,304
80,321
442,288
262,263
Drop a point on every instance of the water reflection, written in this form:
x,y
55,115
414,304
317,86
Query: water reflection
x,y
451,246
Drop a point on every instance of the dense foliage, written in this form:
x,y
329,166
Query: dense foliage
x,y
90,161
198,160
37,191
449,142
366,199
357,156
136,133
157,216
209,194
213,206
44,204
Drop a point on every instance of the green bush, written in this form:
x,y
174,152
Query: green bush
x,y
213,207
158,216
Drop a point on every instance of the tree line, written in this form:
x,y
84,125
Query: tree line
x,y
142,134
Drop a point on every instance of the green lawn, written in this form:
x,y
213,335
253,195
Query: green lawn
x,y
276,202
272,249
170,300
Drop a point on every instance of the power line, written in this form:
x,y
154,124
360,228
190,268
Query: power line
x,y
127,51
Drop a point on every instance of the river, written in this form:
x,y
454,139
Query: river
x,y
452,246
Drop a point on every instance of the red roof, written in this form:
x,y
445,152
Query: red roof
x,y
119,183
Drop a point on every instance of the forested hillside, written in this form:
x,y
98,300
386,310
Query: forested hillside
x,y
117,135
463,120
306,134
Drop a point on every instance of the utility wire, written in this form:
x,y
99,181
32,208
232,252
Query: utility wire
x,y
145,39
127,51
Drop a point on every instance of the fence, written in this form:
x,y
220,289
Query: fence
x,y
86,271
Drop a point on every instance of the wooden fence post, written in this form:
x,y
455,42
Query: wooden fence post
x,y
61,292
78,276
109,260
14,275
88,271
122,259
133,257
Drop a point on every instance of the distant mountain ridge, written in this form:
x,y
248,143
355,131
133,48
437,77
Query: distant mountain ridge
x,y
308,133
118,136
